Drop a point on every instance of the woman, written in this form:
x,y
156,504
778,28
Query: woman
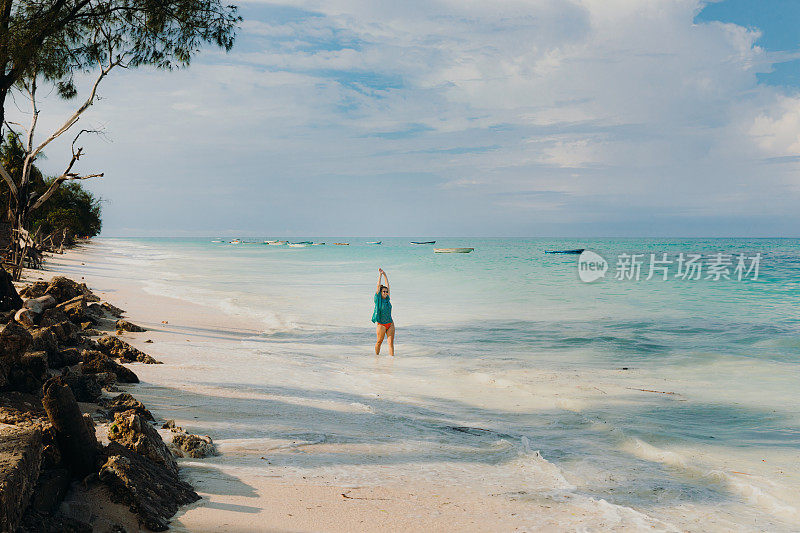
x,y
382,315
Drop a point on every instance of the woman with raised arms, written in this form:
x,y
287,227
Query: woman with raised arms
x,y
382,315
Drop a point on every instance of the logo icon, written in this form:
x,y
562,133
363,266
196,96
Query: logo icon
x,y
591,266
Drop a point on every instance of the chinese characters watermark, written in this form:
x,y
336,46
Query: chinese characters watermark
x,y
662,267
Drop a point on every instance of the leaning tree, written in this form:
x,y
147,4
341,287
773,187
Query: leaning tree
x,y
51,42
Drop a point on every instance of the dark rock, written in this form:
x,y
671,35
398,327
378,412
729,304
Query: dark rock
x,y
50,490
116,347
9,299
14,341
36,522
21,409
112,310
153,492
132,431
34,290
125,402
75,309
44,340
169,424
85,387
52,316
69,356
76,440
95,362
95,310
124,325
66,332
64,289
194,445
30,373
20,456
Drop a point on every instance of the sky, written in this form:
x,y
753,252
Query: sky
x,y
434,118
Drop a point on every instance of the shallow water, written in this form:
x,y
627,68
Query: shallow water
x,y
669,403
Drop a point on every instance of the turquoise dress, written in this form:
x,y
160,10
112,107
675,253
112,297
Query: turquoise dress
x,y
383,310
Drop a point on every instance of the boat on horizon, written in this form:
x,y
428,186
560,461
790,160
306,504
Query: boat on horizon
x,y
277,243
452,250
423,242
236,241
298,244
318,244
342,243
373,242
575,251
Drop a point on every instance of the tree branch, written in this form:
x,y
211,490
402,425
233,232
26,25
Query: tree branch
x,y
77,114
9,181
57,183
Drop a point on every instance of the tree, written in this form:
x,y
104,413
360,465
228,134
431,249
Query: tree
x,y
72,211
58,38
50,41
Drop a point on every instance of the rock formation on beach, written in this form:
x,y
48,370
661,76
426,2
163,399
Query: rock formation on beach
x,y
48,364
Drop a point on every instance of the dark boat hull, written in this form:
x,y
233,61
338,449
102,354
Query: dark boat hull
x,y
577,251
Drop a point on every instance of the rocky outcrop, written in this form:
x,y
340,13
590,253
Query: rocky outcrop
x,y
132,431
124,325
85,387
112,310
76,439
153,492
20,456
14,341
62,289
95,362
116,347
125,402
195,446
9,299
75,309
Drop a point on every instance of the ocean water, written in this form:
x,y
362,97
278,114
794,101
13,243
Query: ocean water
x,y
661,403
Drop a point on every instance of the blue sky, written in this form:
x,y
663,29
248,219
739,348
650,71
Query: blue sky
x,y
445,118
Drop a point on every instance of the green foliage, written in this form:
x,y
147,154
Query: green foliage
x,y
56,38
12,156
72,208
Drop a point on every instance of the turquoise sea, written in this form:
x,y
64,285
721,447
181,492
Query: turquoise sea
x,y
677,399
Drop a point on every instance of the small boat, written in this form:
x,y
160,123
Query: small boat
x,y
277,243
576,251
236,241
423,242
342,243
452,250
374,242
216,241
318,244
298,245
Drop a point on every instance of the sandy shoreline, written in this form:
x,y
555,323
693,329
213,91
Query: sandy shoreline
x,y
274,500
278,471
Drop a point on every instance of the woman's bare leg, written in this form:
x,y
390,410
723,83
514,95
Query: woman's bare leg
x,y
381,331
390,334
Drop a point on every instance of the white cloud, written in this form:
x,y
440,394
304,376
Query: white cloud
x,y
604,103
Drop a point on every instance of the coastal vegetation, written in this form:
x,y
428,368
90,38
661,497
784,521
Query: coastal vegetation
x,y
71,211
48,44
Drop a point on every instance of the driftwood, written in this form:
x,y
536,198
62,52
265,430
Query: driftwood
x,y
78,445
